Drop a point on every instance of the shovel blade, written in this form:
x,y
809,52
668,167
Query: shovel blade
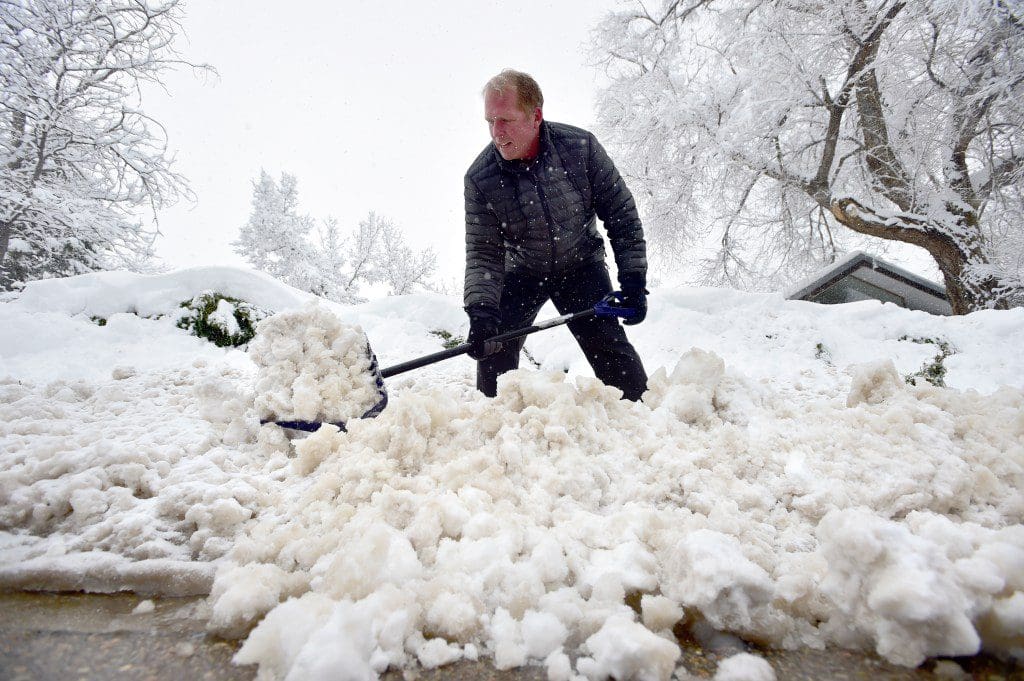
x,y
372,412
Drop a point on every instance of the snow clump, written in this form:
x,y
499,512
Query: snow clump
x,y
744,667
311,366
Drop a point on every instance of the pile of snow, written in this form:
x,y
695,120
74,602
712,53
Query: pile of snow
x,y
781,481
121,480
884,522
311,366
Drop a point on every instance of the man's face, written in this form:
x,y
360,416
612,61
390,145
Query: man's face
x,y
515,133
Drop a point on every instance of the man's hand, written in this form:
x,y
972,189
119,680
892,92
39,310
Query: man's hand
x,y
635,298
634,295
482,327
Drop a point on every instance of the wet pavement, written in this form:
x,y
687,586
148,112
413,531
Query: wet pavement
x,y
90,637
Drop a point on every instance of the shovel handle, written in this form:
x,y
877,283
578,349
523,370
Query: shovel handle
x,y
501,338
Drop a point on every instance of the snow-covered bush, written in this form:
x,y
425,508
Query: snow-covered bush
x,y
222,320
933,371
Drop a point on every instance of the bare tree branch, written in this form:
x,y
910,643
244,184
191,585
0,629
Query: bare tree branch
x,y
81,156
900,120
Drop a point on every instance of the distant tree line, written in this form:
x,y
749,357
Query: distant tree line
x,y
318,257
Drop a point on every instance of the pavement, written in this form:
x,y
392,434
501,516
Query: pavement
x,y
87,637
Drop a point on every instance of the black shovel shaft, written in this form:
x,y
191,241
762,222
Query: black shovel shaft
x,y
501,338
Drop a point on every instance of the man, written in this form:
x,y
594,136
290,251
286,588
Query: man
x,y
532,199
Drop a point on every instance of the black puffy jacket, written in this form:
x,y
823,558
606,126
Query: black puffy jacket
x,y
538,217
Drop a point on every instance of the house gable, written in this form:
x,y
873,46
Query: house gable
x,y
860,276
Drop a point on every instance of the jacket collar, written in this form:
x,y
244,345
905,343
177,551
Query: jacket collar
x,y
519,166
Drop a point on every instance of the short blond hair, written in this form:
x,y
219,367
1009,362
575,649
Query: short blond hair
x,y
528,94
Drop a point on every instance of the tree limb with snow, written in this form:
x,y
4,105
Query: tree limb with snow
x,y
761,127
397,265
78,155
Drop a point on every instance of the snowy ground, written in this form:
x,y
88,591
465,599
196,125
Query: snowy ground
x,y
782,482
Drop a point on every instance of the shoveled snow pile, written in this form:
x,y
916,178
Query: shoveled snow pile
x,y
312,367
421,539
782,482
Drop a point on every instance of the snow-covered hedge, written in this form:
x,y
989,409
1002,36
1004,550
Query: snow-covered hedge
x,y
223,320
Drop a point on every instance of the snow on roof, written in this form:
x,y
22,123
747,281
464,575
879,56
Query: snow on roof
x,y
850,262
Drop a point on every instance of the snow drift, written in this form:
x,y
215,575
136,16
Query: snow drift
x,y
781,481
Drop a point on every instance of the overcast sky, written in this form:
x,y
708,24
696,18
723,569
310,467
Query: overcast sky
x,y
372,106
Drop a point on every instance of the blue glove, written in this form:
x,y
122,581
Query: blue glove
x,y
483,325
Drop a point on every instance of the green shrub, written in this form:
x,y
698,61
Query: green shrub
x,y
222,320
933,371
449,341
822,352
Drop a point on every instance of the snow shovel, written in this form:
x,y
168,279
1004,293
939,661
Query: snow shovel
x,y
609,306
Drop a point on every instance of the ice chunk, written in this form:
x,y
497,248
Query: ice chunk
x,y
744,667
624,649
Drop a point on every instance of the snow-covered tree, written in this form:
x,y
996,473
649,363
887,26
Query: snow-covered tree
x,y
283,242
364,247
395,263
333,279
78,156
762,125
276,238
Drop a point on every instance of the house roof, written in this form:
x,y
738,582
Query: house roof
x,y
850,263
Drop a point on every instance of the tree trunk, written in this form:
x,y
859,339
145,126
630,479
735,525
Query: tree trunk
x,y
5,243
964,296
971,282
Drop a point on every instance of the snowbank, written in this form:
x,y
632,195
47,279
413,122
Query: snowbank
x,y
880,524
102,294
782,481
126,483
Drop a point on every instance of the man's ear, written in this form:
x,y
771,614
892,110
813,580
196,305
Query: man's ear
x,y
538,115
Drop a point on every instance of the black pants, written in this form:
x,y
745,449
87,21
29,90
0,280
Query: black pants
x,y
602,339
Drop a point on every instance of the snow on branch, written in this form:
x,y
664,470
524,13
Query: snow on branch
x,y
902,121
78,155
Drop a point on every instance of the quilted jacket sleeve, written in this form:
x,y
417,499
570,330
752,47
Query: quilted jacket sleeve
x,y
485,252
614,205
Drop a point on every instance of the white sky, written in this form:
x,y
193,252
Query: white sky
x,y
372,106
